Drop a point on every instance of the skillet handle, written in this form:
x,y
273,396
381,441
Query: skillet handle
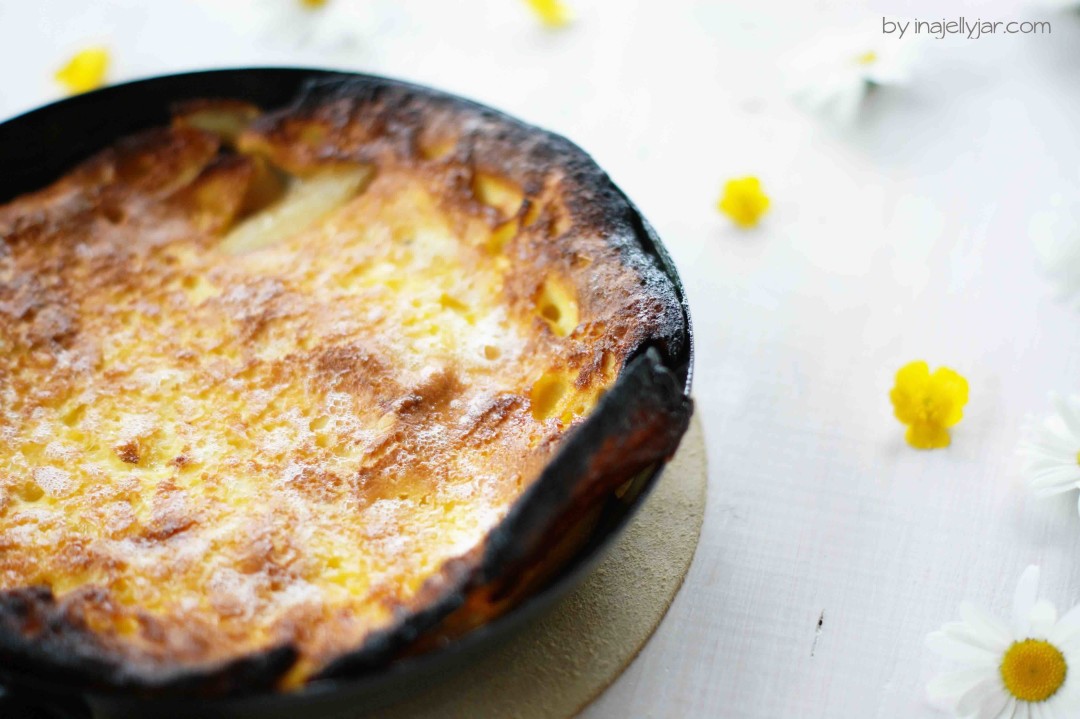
x,y
21,704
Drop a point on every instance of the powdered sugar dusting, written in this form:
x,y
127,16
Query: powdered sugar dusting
x,y
54,481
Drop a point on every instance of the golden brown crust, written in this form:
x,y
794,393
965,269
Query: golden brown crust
x,y
230,465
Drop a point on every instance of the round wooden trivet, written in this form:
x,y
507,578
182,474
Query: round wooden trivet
x,y
558,664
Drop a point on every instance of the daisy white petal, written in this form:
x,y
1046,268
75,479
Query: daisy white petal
x,y
983,701
1042,618
974,636
959,651
1052,442
1027,592
953,685
1048,448
1067,628
833,77
1055,422
1068,409
1052,450
1053,438
1055,233
1068,698
1047,472
339,29
1009,710
986,624
847,101
1055,479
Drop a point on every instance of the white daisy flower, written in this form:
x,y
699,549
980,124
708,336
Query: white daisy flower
x,y
1011,671
338,28
833,77
1052,450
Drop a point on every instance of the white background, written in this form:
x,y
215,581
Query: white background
x,y
906,237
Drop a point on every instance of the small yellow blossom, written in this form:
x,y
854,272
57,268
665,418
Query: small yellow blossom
x,y
928,403
313,4
743,201
85,71
553,13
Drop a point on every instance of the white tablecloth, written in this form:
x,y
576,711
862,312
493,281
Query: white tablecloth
x,y
904,238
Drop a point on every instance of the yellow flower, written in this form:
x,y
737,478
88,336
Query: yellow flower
x,y
928,403
743,201
553,13
85,71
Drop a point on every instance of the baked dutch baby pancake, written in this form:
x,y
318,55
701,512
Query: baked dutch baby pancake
x,y
288,392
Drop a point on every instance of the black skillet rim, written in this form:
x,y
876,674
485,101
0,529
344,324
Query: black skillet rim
x,y
28,145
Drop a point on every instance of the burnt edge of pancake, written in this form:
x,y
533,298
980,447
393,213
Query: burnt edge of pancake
x,y
638,423
635,426
49,640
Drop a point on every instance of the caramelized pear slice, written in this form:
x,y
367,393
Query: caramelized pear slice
x,y
305,202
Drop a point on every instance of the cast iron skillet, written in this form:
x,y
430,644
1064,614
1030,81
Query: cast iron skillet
x,y
38,147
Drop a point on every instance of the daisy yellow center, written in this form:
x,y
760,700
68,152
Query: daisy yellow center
x,y
1033,670
1078,457
867,58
